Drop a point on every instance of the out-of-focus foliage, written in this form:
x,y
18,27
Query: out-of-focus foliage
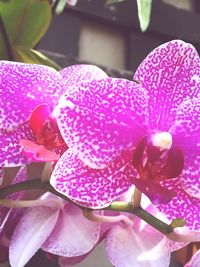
x,y
110,2
144,11
28,55
25,22
60,6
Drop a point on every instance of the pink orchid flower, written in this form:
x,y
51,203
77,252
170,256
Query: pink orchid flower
x,y
56,226
22,88
133,243
121,133
29,92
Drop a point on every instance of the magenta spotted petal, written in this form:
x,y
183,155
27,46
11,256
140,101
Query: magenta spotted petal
x,y
92,187
186,133
78,73
11,153
101,118
22,88
73,234
182,205
170,74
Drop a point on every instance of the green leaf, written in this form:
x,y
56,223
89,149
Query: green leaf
x,y
26,21
110,2
144,13
178,222
60,6
27,55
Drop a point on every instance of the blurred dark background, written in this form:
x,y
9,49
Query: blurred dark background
x,y
110,36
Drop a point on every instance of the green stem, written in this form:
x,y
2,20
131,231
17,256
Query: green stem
x,y
6,40
114,206
161,226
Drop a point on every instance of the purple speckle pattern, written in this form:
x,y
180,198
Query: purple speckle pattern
x,y
11,153
182,205
73,234
99,119
22,88
170,74
186,133
92,188
78,73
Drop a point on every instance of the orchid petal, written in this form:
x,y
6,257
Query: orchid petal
x,y
170,74
89,187
72,2
186,133
78,73
126,247
73,234
195,260
11,153
31,232
154,191
22,88
38,117
37,153
181,206
100,119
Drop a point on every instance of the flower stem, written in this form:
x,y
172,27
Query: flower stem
x,y
142,214
114,206
6,40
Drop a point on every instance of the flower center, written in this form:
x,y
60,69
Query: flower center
x,y
49,135
156,158
45,128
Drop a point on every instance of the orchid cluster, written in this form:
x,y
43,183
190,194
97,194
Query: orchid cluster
x,y
119,160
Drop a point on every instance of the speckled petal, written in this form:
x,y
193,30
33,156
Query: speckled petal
x,y
186,134
181,206
170,74
11,153
22,88
78,73
101,118
73,234
91,187
37,153
128,247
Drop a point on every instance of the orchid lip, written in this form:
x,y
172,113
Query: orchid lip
x,y
156,159
162,140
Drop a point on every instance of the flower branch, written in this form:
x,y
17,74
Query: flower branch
x,y
114,206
